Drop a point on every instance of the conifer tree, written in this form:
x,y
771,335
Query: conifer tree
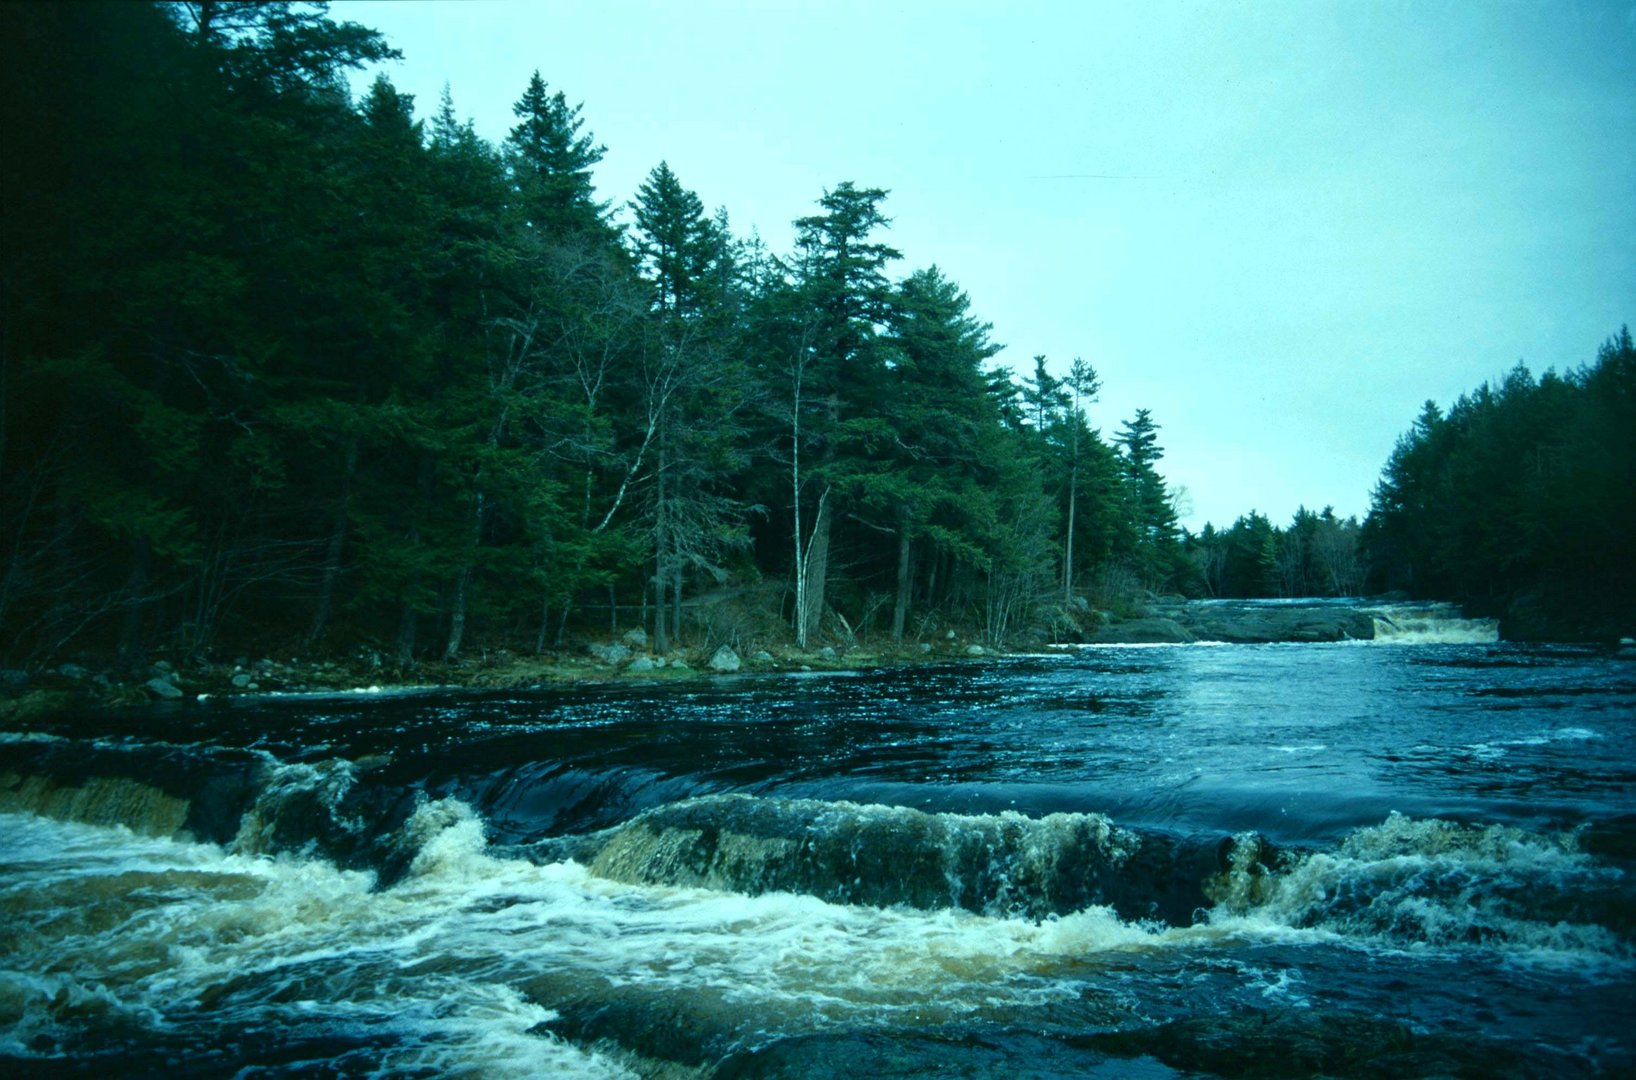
x,y
841,273
551,158
938,431
688,392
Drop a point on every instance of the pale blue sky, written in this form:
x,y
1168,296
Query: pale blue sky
x,y
1281,226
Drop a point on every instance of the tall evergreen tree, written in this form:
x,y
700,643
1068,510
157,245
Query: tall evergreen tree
x,y
841,271
551,158
1157,551
689,390
938,431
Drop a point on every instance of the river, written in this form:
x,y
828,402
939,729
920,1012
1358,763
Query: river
x,y
1406,857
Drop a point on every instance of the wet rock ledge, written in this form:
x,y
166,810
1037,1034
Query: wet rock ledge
x,y
1247,623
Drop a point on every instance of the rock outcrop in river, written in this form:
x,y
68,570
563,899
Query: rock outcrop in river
x,y
1255,622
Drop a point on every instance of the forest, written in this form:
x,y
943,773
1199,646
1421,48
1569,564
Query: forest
x,y
1519,502
286,367
282,365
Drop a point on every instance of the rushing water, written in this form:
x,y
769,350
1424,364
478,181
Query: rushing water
x,y
1399,858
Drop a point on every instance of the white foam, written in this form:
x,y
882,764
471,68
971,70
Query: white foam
x,y
441,956
463,960
1428,884
1430,624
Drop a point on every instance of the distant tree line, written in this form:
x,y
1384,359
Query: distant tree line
x,y
1315,555
284,367
1520,501
279,367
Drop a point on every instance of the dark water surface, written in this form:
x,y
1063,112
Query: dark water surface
x,y
1350,859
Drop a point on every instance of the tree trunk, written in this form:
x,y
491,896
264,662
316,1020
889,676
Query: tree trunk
x,y
462,583
931,578
407,621
900,610
131,652
676,606
1068,542
661,610
457,614
817,576
335,549
661,536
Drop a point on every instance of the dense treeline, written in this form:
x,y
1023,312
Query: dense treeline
x,y
283,366
1520,502
1315,555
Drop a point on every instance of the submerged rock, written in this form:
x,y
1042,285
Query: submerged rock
x,y
1310,1042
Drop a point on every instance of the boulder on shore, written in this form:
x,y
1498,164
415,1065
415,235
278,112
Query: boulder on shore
x,y
725,659
163,688
609,654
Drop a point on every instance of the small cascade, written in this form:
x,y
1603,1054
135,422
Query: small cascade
x,y
95,800
1413,883
1004,865
1431,624
248,802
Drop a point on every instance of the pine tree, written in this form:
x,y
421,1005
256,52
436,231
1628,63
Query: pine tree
x,y
937,431
841,274
689,392
1157,552
551,158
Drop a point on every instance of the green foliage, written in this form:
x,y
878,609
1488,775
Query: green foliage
x,y
275,358
1519,497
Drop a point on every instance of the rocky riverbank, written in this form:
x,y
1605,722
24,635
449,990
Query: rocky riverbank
x,y
630,656
28,693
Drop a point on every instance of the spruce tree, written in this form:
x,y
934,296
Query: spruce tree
x,y
841,275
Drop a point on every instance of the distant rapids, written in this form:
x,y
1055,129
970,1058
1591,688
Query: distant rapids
x,y
1280,860
1431,624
